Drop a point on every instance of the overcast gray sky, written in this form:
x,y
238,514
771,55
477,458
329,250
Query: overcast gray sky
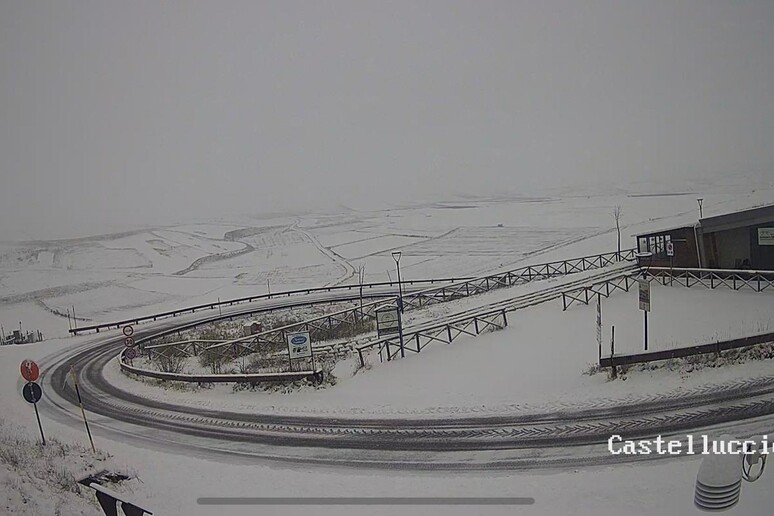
x,y
137,112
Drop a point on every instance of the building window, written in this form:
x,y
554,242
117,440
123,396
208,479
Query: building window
x,y
655,244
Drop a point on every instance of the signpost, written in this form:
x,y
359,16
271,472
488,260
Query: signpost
x,y
299,345
644,298
29,370
388,322
129,341
670,250
80,402
599,323
32,391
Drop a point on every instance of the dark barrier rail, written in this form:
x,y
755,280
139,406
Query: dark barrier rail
x,y
703,349
220,378
250,299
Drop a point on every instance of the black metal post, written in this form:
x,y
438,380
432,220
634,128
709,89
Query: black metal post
x,y
646,329
37,415
400,293
400,332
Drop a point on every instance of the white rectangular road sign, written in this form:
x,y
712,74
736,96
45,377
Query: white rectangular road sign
x,y
299,345
387,321
670,249
644,295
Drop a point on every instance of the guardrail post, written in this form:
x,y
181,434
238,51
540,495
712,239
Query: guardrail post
x,y
505,319
362,362
475,324
448,332
416,335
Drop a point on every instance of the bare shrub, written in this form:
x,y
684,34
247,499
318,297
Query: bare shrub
x,y
171,360
342,331
214,359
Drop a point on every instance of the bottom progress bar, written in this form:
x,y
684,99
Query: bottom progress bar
x,y
360,500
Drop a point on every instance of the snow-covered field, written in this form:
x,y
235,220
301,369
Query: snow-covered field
x,y
154,269
538,361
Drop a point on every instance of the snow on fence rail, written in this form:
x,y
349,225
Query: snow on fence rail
x,y
221,378
714,278
460,287
330,324
713,347
492,316
250,299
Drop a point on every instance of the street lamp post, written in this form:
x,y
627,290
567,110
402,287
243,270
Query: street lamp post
x,y
701,212
396,257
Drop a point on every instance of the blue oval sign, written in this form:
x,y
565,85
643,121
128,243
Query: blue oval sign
x,y
298,339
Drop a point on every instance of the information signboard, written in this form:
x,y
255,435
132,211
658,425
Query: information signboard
x,y
299,345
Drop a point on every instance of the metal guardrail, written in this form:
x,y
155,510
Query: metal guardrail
x,y
250,299
714,347
220,378
476,321
328,324
469,285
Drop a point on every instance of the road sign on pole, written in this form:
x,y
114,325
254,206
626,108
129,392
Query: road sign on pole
x,y
644,295
387,321
29,370
299,345
129,342
670,249
128,331
32,394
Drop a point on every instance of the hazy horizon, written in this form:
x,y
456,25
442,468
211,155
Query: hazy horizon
x,y
117,115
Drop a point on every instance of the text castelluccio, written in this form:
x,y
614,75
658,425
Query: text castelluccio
x,y
616,445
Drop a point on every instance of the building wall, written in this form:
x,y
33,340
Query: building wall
x,y
761,256
684,244
729,249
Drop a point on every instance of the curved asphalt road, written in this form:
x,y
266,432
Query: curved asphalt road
x,y
564,437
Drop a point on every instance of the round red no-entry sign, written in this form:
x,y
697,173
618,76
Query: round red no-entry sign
x,y
30,370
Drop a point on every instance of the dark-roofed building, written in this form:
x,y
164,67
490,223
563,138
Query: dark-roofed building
x,y
740,240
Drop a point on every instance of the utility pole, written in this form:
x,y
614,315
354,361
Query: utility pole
x,y
396,257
